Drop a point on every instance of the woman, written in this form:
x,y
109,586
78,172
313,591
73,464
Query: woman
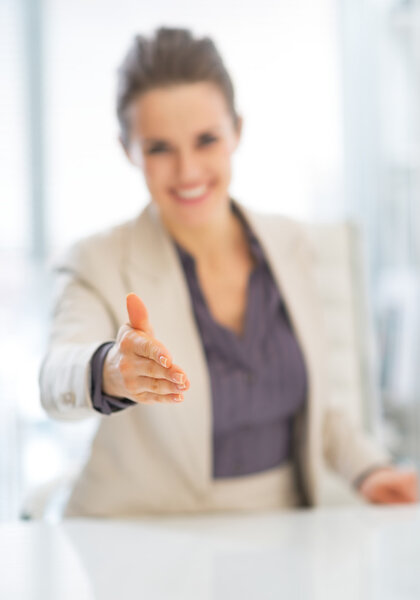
x,y
243,421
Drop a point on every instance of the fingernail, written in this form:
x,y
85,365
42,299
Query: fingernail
x,y
179,378
181,386
163,361
178,398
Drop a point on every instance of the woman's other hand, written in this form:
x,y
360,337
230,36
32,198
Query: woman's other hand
x,y
138,366
391,486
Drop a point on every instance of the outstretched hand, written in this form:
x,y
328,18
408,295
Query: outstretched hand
x,y
138,366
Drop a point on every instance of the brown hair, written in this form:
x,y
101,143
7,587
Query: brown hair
x,y
170,57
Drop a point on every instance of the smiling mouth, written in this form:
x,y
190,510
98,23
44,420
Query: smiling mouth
x,y
191,195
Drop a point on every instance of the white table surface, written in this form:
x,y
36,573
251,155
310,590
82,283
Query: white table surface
x,y
353,553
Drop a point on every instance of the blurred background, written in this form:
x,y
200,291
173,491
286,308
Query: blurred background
x,y
330,94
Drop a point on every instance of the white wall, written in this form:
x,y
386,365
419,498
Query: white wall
x,y
13,182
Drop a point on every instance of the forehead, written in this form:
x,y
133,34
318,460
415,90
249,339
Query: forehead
x,y
178,110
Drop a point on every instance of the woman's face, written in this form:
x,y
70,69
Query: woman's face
x,y
183,138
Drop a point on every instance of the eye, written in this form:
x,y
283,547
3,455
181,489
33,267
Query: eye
x,y
206,139
158,149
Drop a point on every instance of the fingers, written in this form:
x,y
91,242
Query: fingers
x,y
408,487
149,398
398,488
143,379
160,386
138,385
391,496
137,314
404,487
144,367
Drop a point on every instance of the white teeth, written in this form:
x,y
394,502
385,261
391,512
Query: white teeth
x,y
194,193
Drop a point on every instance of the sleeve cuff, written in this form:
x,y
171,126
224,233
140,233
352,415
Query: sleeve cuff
x,y
360,478
101,402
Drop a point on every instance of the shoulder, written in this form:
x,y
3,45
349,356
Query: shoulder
x,y
99,250
283,232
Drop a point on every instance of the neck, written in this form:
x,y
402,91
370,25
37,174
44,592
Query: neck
x,y
214,241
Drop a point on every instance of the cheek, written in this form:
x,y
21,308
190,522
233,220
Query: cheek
x,y
216,162
156,172
223,162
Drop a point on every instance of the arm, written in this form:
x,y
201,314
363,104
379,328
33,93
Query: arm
x,y
348,449
366,465
81,322
75,370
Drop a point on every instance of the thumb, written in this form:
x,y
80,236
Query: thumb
x,y
137,314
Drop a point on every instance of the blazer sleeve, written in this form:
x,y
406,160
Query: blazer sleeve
x,y
347,447
81,322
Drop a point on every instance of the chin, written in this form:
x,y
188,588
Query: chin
x,y
193,219
194,214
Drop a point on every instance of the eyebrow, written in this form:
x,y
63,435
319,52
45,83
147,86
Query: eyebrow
x,y
162,141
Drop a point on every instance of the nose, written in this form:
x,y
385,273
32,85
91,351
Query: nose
x,y
188,166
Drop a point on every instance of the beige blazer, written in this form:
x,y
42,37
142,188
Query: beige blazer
x,y
158,458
